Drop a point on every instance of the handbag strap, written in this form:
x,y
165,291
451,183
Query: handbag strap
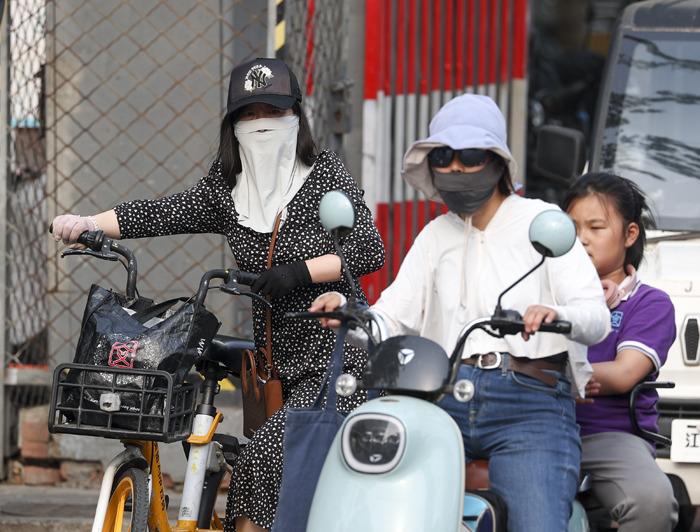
x,y
156,310
248,360
268,312
333,372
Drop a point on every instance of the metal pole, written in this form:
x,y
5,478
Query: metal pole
x,y
4,172
271,25
354,55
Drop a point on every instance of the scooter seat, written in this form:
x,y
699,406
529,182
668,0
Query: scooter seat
x,y
476,475
228,350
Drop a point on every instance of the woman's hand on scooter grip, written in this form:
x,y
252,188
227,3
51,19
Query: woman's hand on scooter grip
x,y
534,316
327,302
68,227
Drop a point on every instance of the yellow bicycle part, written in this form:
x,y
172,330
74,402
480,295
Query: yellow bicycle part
x,y
117,502
157,515
131,485
206,438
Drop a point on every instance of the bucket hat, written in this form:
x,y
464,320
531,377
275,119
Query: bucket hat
x,y
467,121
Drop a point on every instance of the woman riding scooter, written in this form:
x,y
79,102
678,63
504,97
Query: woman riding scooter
x,y
522,413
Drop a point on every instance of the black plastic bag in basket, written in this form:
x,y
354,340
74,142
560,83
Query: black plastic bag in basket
x,y
111,336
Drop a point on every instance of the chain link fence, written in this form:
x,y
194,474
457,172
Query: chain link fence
x,y
108,101
315,49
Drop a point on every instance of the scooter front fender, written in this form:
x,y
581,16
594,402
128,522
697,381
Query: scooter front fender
x,y
424,491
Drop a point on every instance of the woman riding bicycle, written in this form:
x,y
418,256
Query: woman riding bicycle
x,y
266,166
522,415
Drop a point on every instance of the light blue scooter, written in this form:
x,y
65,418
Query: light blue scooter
x,y
397,463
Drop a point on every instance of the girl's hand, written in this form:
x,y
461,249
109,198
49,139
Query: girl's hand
x,y
592,390
327,302
534,316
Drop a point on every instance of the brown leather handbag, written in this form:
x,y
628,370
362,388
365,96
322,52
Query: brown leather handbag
x,y
260,381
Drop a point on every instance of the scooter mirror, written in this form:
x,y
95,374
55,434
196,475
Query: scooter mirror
x,y
337,213
552,233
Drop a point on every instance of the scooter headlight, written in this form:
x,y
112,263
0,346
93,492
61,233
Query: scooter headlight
x,y
373,443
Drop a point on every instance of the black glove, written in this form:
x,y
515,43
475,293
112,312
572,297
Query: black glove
x,y
279,280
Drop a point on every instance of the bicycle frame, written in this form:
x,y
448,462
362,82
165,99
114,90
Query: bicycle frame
x,y
146,452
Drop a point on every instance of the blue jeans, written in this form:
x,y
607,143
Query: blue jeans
x,y
528,432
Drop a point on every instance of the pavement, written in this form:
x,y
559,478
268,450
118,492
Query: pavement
x,y
33,508
58,509
51,509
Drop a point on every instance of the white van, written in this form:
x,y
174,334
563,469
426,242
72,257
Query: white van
x,y
648,130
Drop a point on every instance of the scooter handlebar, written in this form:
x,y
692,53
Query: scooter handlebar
x,y
557,326
335,315
511,322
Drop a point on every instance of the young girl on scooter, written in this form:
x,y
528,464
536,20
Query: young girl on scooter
x,y
522,414
608,211
266,169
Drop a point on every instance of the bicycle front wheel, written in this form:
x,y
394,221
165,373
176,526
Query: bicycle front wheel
x,y
128,504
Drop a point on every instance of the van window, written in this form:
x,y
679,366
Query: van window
x,y
652,127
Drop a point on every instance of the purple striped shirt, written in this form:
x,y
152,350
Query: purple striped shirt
x,y
645,321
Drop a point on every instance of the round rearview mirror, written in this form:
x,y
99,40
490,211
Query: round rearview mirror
x,y
552,233
337,213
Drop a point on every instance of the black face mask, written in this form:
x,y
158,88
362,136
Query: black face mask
x,y
465,193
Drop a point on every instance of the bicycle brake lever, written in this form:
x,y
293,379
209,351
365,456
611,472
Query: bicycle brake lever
x,y
234,288
231,288
96,254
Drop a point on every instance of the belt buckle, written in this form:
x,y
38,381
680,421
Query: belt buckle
x,y
496,364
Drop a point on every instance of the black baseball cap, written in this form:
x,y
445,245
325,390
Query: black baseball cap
x,y
262,80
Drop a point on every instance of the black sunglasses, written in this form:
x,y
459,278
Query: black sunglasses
x,y
442,156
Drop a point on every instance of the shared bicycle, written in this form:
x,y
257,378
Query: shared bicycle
x,y
132,494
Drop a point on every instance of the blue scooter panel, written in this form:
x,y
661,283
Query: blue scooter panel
x,y
423,491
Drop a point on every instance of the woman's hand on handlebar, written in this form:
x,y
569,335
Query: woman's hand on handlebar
x,y
327,302
68,227
534,316
279,280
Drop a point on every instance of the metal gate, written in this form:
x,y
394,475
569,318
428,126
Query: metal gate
x,y
418,54
105,101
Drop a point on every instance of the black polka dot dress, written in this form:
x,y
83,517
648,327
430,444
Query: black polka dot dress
x,y
301,349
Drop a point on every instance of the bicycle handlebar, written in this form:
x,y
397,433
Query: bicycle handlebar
x,y
232,278
101,247
246,278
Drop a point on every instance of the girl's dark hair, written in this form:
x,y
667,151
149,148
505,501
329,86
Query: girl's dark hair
x,y
228,145
627,199
505,184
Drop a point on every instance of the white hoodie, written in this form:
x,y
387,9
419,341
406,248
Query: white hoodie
x,y
454,273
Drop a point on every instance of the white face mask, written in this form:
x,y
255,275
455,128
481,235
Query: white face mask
x,y
271,174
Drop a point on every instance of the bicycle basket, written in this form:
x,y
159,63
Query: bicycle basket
x,y
122,403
